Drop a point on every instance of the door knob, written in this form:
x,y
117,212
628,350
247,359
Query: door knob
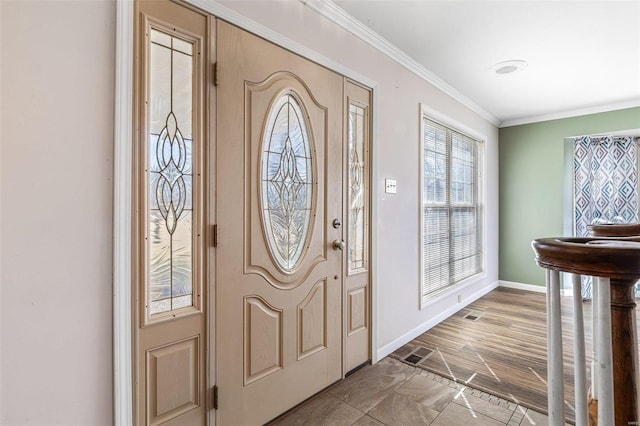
x,y
338,245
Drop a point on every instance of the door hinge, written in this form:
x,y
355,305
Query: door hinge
x,y
214,233
214,73
215,397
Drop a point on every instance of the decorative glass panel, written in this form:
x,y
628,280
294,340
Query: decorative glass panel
x,y
357,182
287,182
169,175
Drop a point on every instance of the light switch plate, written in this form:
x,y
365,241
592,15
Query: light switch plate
x,y
390,186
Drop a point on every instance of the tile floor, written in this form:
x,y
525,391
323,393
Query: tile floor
x,y
393,393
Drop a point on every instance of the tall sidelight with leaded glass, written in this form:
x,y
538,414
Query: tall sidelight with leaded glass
x,y
170,335
169,174
357,188
357,287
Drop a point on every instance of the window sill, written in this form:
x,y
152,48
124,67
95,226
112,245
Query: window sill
x,y
449,291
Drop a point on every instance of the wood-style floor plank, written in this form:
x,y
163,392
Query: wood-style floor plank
x,y
504,352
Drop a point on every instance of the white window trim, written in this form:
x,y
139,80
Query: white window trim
x,y
447,121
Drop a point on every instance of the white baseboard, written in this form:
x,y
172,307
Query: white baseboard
x,y
535,288
522,286
412,334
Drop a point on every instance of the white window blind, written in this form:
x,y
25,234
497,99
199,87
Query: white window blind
x,y
451,229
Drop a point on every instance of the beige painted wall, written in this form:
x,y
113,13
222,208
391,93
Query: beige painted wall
x,y
56,198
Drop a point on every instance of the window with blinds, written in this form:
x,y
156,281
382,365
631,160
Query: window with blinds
x,y
451,225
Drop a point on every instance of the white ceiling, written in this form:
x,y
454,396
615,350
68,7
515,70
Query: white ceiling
x,y
583,56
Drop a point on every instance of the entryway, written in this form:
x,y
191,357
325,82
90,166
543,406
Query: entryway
x,y
258,296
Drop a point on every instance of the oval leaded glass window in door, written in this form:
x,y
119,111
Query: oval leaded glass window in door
x,y
286,182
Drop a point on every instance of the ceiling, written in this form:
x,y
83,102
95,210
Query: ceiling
x,y
583,56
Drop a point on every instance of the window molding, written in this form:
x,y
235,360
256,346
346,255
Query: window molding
x,y
445,120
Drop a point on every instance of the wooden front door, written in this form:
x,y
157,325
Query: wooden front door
x,y
170,292
279,256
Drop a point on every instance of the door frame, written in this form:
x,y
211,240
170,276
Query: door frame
x,y
123,183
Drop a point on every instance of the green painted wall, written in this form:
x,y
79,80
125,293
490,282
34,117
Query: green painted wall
x,y
531,185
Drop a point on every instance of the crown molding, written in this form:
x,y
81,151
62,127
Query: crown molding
x,y
334,13
571,113
219,11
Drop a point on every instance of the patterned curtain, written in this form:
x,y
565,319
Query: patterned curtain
x,y
606,184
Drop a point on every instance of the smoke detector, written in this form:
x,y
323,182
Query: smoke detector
x,y
509,67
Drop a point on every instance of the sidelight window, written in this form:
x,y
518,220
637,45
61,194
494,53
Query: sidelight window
x,y
357,225
169,173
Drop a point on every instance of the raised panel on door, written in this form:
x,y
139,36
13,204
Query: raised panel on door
x,y
262,339
279,279
169,173
312,321
173,377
